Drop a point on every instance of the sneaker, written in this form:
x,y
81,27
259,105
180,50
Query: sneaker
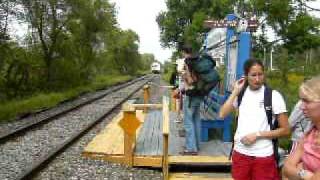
x,y
189,153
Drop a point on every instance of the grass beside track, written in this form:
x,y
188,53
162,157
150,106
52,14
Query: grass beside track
x,y
15,108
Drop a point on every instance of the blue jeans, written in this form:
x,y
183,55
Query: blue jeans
x,y
192,124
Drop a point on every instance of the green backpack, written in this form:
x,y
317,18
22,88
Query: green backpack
x,y
207,76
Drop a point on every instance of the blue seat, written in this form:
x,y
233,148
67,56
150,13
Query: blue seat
x,y
224,124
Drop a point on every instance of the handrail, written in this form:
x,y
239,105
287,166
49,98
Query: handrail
x,y
146,96
161,86
130,123
165,111
133,107
165,131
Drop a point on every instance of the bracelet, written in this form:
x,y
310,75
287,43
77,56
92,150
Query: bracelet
x,y
258,135
302,173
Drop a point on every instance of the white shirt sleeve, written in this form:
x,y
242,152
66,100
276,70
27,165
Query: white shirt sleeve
x,y
278,103
296,115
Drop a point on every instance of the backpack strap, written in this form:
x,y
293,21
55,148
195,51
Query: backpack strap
x,y
273,125
268,105
268,110
241,93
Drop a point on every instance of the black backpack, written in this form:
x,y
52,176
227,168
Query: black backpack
x,y
268,108
207,76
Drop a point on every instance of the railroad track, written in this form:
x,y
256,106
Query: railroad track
x,y
26,150
37,118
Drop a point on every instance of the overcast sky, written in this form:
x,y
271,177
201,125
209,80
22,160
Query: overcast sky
x,y
140,16
315,4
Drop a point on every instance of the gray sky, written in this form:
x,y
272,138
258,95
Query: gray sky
x,y
140,16
315,4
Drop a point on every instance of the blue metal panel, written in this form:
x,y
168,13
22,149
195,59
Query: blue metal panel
x,y
230,33
243,52
224,124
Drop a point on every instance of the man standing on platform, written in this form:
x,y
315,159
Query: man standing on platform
x,y
191,106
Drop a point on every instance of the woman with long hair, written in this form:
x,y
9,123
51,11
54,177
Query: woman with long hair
x,y
304,162
253,155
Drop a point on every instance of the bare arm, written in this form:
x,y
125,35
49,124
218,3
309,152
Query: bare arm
x,y
227,107
315,176
292,165
283,130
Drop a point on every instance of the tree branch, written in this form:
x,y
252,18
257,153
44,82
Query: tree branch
x,y
307,6
313,9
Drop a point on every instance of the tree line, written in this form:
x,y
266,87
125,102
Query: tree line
x,y
67,43
297,31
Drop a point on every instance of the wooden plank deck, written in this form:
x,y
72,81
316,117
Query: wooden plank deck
x,y
149,142
108,145
150,138
200,176
199,160
110,140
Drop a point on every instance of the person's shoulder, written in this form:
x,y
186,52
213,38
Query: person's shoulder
x,y
278,101
276,93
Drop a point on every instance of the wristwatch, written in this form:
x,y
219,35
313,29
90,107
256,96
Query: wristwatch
x,y
302,173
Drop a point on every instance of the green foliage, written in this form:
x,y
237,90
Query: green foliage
x,y
147,60
14,108
183,22
303,33
70,44
20,72
108,80
291,21
290,92
168,69
283,65
126,58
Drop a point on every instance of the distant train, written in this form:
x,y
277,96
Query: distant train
x,y
155,67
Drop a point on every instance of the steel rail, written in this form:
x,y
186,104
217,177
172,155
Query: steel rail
x,y
44,160
10,134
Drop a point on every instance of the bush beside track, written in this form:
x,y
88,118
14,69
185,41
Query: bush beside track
x,y
14,109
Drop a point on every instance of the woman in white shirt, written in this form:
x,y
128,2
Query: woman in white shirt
x,y
253,156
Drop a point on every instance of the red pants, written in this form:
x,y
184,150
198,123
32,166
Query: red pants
x,y
253,168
